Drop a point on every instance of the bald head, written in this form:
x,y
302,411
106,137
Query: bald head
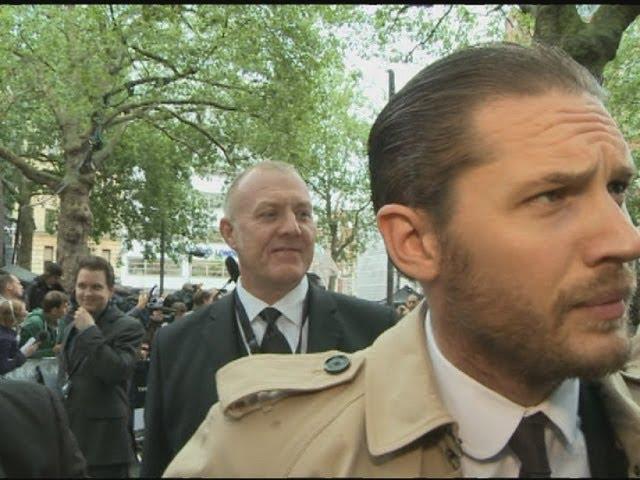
x,y
269,223
266,166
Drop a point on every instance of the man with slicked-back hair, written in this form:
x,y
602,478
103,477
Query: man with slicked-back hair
x,y
499,182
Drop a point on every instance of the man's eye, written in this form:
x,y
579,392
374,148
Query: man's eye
x,y
618,190
551,196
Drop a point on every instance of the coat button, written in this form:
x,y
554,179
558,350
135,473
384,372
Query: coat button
x,y
336,364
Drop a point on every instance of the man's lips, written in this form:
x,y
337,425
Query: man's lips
x,y
607,305
285,249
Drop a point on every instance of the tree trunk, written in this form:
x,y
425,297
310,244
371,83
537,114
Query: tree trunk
x,y
26,225
74,227
592,44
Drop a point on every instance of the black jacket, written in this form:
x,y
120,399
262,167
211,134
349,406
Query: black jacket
x,y
101,361
35,437
37,290
10,355
186,355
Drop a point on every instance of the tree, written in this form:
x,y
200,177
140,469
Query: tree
x,y
593,42
622,81
334,166
223,81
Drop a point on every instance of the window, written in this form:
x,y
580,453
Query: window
x,y
106,254
208,268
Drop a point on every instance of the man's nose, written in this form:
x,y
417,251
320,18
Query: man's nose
x,y
289,224
614,238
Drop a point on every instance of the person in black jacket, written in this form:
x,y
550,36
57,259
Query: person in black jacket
x,y
36,439
43,284
98,357
268,222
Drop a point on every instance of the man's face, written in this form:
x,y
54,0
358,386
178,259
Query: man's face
x,y
157,316
92,291
59,312
271,228
534,273
14,288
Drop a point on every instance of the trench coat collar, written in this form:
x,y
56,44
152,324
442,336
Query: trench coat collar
x,y
402,402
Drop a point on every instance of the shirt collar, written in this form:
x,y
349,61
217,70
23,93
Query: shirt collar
x,y
485,435
291,305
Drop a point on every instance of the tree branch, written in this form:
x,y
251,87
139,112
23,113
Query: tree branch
x,y
38,176
128,86
202,131
172,137
155,57
433,31
156,103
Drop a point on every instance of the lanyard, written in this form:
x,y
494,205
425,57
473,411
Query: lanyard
x,y
250,337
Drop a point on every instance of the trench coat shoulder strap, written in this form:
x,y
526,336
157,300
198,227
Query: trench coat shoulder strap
x,y
252,382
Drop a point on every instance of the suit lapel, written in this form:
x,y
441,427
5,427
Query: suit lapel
x,y
325,330
606,459
222,333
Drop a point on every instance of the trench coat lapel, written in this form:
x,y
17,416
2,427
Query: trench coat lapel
x,y
325,329
402,402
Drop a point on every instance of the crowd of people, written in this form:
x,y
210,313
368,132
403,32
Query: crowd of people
x,y
520,365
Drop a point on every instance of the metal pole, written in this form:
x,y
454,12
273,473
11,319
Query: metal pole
x,y
390,272
162,246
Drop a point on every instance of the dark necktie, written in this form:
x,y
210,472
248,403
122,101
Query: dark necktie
x,y
273,341
527,442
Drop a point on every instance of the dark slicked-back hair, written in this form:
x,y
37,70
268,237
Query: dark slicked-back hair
x,y
52,269
422,140
96,264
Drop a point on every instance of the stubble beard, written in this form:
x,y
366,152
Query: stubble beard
x,y
503,326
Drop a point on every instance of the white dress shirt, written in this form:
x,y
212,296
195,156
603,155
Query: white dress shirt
x,y
291,307
486,421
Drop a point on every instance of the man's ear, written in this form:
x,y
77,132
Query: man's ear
x,y
411,241
226,230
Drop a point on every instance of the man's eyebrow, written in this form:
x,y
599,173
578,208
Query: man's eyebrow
x,y
581,177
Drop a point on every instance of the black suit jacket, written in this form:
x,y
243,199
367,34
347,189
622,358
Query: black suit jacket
x,y
101,362
187,354
35,437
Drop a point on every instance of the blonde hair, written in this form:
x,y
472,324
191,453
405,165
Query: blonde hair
x,y
8,309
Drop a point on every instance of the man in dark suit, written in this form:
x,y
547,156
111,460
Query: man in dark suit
x,y
99,356
36,439
268,221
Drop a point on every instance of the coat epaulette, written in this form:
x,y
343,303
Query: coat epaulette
x,y
258,381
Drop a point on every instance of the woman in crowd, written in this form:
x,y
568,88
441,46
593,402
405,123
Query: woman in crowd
x,y
12,313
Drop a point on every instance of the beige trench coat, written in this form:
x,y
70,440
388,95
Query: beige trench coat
x,y
299,416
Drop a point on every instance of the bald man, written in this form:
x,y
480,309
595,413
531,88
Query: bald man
x,y
268,220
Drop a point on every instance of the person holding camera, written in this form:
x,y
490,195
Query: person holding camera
x,y
98,357
42,323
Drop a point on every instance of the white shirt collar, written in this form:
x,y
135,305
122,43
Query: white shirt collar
x,y
486,419
291,305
